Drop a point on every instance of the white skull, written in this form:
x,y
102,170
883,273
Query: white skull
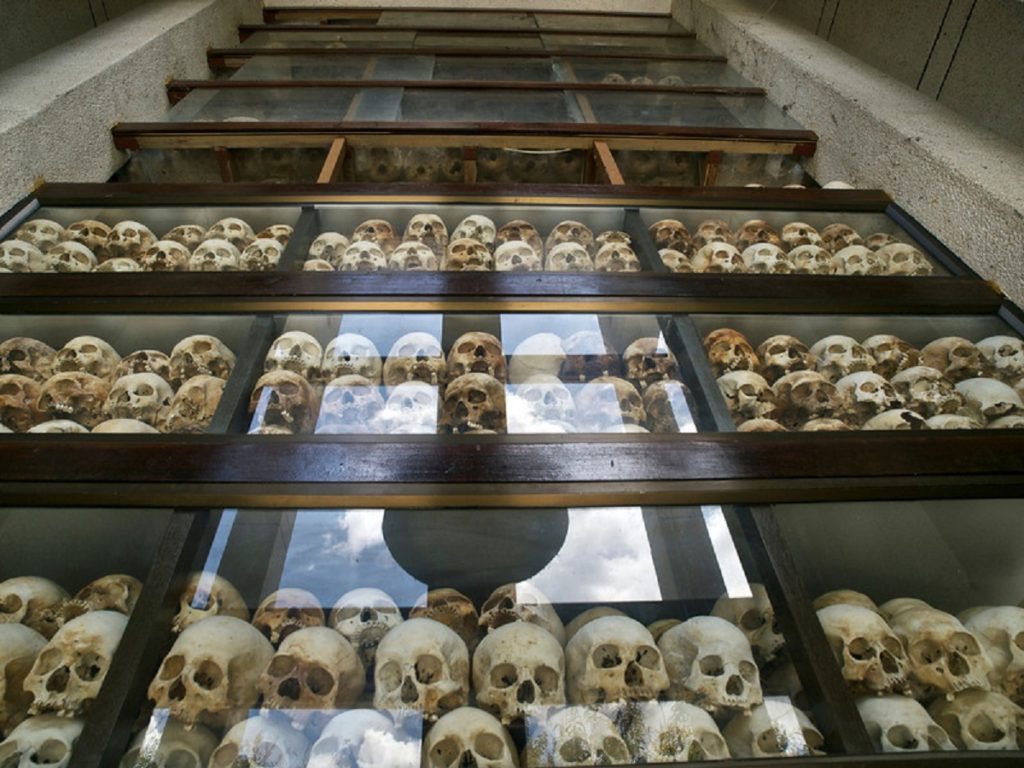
x,y
469,737
363,738
42,740
1005,354
21,256
812,260
416,356
868,394
575,736
351,353
541,353
569,257
676,261
518,666
68,673
869,653
19,647
119,265
905,259
206,594
189,235
178,747
980,720
295,351
165,256
1001,629
139,396
467,255
899,724
315,668
892,354
363,256
956,357
570,231
767,259
88,354
201,354
710,664
859,260
674,732
364,616
113,592
124,427
414,256
895,419
329,247
782,354
521,602
611,659
755,616
42,233
747,395
608,403
261,742
543,399
29,600
718,256
429,229
261,255
945,657
210,673
411,408
285,611
878,240
69,256
128,240
421,665
234,230
516,256
773,729
350,405
58,427
215,255
838,356
144,361
798,233
475,227
890,608
316,265
280,232
953,421
926,391
990,397
616,257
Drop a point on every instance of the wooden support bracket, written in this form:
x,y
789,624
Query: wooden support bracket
x,y
331,169
606,162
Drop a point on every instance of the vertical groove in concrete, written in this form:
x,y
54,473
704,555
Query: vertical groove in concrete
x,y
946,42
956,49
935,42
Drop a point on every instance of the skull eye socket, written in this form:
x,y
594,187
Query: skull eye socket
x,y
901,737
769,742
965,644
647,657
428,669
752,620
504,675
547,679
712,666
476,396
48,661
836,349
208,675
90,667
281,666
861,649
389,676
319,681
489,746
575,751
445,753
893,646
926,652
50,752
606,657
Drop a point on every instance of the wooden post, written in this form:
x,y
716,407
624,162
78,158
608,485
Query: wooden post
x,y
331,169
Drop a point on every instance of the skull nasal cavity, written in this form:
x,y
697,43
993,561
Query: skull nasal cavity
x,y
409,693
526,693
289,689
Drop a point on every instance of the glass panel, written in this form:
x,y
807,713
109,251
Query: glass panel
x,y
388,67
575,22
664,72
687,110
330,38
639,166
818,372
504,42
433,609
63,612
404,164
252,105
683,46
106,373
458,374
513,21
487,106
941,626
493,68
737,170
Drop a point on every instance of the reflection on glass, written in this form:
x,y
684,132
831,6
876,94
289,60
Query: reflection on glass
x,y
773,729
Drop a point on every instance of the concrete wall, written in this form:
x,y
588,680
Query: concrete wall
x,y
964,183
966,54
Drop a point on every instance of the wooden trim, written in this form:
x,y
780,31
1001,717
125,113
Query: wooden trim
x,y
331,170
279,14
246,30
224,164
607,163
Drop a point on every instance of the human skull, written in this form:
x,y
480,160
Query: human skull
x,y
194,405
899,724
411,408
210,674
363,616
755,616
329,246
812,260
119,265
474,402
545,400
286,611
718,257
90,233
58,427
451,608
782,354
261,742
469,737
747,395
712,231
859,260
676,261
363,256
87,354
516,256
569,257
165,256
990,398
891,353
945,657
797,233
729,350
837,236
377,231
314,668
844,597
710,664
806,395
766,258
581,620
867,394
429,229
140,396
869,653
206,594
1001,629
284,399
69,256
421,665
178,747
516,667
608,403
413,256
890,608
541,353
215,255
189,235
234,230
838,356
980,720
761,425
518,229
416,356
20,256
144,361
616,257
1005,355
68,673
200,354
611,659
903,259
363,738
671,233
127,240
476,352
927,391
773,729
879,240
76,396
476,227
124,427
32,601
521,602
42,740
570,231
42,233
20,409
467,255
280,232
261,255
19,647
673,732
956,357
295,351
668,408
649,360
953,421
895,419
756,231
351,404
114,592
316,265
572,736
352,354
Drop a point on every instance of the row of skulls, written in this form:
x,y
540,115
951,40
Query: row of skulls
x,y
638,392
424,164
231,244
524,665
756,247
904,655
86,385
882,383
475,244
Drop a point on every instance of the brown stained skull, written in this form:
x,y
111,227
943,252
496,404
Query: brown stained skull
x,y
806,395
812,260
454,610
729,350
782,354
280,232
756,231
607,404
200,354
671,233
416,356
377,231
837,236
363,256
261,255
668,408
588,356
676,261
477,352
295,351
315,668
286,611
414,257
474,402
712,231
19,402
189,235
232,229
518,229
858,260
144,361
797,233
116,592
87,354
905,259
42,233
649,360
892,354
127,240
569,257
165,256
27,357
284,399
69,257
194,405
570,231
429,229
927,392
214,255
76,396
90,233
467,255
718,257
956,358
616,257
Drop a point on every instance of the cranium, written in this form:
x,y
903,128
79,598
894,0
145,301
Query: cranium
x,y
755,616
729,350
837,236
114,592
119,265
178,747
316,265
210,674
928,392
825,425
990,398
521,602
1001,628
859,260
517,229
570,231
295,351
314,668
545,400
812,260
806,395
206,594
718,257
516,256
351,404
20,256
613,77
58,427
710,664
42,740
422,665
467,736
19,647
953,421
649,360
945,657
773,729
194,405
363,738
668,408
891,353
869,653
614,658
189,235
32,601
474,402
261,255
782,354
200,354
797,233
144,361
1005,356
411,408
671,233
895,419
429,229
581,620
414,256
124,427
476,352
838,356
466,255
712,231
612,236
286,611
575,736
280,232
165,256
676,261
904,259
87,354
260,742
844,597
761,425
879,240
377,231
127,240
140,396
284,399
416,356
234,230
363,616
767,259
569,257
607,403
756,231
541,353
42,233
69,256
980,720
76,396
476,227
451,608
69,671
90,233
890,608
329,246
747,395
516,667
955,357
352,353
19,403
868,394
215,255
899,724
